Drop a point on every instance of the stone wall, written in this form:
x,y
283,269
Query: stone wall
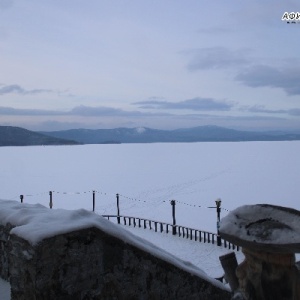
x,y
91,264
4,250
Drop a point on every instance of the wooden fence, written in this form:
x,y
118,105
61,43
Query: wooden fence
x,y
181,231
157,226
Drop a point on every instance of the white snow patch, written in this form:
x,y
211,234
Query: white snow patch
x,y
140,130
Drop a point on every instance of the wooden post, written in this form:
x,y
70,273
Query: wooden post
x,y
173,203
118,208
50,203
93,200
21,197
218,205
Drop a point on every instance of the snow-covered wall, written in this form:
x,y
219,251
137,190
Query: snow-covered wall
x,y
59,254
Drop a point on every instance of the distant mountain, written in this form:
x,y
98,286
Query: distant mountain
x,y
148,135
16,136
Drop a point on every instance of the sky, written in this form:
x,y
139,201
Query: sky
x,y
149,63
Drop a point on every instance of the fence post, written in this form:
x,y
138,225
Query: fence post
x,y
21,197
50,203
218,205
93,200
173,203
118,208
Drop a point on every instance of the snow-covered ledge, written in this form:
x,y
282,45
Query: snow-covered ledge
x,y
270,237
64,254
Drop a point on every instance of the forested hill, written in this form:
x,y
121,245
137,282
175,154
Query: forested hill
x,y
148,135
16,136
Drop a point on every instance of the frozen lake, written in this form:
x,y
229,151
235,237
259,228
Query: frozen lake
x,y
148,176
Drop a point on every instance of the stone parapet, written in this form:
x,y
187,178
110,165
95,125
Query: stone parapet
x,y
89,264
61,255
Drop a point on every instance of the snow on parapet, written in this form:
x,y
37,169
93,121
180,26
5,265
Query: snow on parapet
x,y
264,224
35,223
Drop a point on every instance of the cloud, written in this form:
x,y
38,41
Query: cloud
x,y
84,111
286,78
286,75
52,125
217,58
86,117
96,111
101,111
262,109
294,112
9,111
8,89
16,89
195,104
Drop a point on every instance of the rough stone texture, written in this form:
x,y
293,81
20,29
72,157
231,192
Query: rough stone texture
x,y
90,264
4,250
268,276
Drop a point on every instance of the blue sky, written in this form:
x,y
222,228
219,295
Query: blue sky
x,y
151,63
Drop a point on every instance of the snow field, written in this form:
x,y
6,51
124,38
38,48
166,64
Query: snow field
x,y
148,176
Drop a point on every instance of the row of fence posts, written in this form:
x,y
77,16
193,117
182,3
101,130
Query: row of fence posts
x,y
94,202
51,200
218,207
172,202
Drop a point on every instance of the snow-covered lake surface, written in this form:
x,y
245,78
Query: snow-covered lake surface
x,y
148,176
